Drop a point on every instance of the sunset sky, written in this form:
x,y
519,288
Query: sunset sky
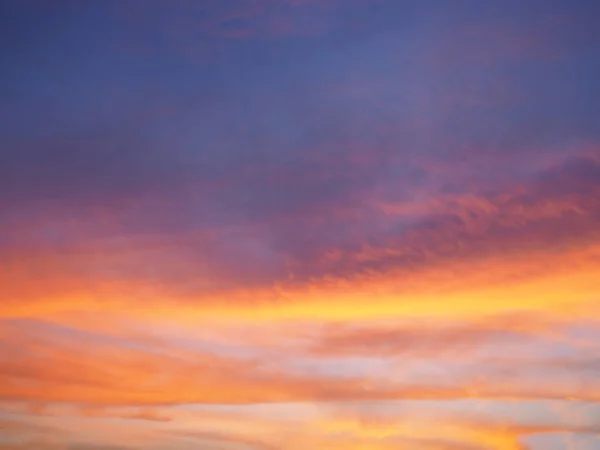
x,y
299,225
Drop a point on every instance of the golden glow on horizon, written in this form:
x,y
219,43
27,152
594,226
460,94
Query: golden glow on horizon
x,y
560,282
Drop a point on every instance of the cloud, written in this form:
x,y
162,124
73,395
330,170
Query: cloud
x,y
450,432
429,339
521,233
142,414
270,213
95,372
100,373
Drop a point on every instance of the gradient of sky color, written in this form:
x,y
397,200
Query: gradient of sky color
x,y
300,224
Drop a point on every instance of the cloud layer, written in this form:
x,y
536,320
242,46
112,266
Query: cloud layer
x,y
299,224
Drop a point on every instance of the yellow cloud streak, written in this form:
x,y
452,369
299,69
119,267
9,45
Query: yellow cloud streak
x,y
552,282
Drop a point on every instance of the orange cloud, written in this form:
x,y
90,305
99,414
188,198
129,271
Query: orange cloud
x,y
54,368
527,248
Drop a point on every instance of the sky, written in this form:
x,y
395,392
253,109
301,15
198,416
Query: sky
x,y
299,224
